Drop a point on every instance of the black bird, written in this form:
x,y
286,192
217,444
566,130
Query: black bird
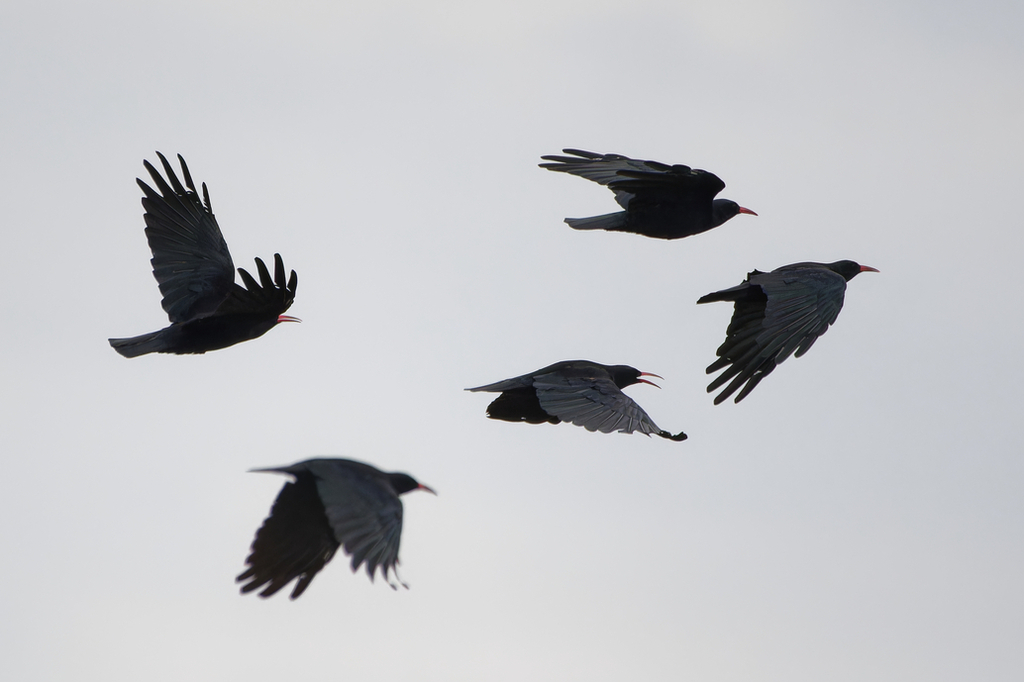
x,y
332,503
584,393
661,201
777,313
193,267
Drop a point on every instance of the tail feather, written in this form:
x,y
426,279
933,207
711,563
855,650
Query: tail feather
x,y
615,222
739,293
154,342
726,295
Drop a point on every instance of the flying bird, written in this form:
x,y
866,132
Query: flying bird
x,y
660,201
193,267
331,503
777,313
584,393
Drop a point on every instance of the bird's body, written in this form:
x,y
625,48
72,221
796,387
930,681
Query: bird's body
x,y
331,503
777,314
659,200
581,392
193,267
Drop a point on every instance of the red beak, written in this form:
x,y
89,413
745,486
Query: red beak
x,y
287,318
423,487
747,211
868,268
648,374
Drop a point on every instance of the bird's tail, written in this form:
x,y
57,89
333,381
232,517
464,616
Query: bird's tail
x,y
135,346
615,222
727,295
740,292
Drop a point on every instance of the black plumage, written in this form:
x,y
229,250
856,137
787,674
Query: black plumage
x,y
194,270
777,314
581,392
331,503
659,200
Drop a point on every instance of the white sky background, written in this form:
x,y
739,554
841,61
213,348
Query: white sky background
x,y
859,516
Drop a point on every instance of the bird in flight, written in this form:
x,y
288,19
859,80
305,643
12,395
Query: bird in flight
x,y
777,314
193,268
658,200
581,392
331,503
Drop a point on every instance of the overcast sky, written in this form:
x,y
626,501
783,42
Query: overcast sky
x,y
858,517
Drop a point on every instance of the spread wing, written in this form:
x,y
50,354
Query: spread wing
x,y
295,541
191,262
630,179
594,403
797,307
268,296
365,515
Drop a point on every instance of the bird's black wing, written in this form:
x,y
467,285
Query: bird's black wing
x,y
295,541
801,307
797,307
629,178
678,183
364,512
600,168
593,402
268,296
191,262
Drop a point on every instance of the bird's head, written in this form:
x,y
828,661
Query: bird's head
x,y
724,209
849,269
403,483
624,375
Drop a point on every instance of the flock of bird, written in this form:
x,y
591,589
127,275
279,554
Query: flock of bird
x,y
332,503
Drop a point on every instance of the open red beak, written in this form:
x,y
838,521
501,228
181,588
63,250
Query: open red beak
x,y
649,374
287,318
747,211
868,268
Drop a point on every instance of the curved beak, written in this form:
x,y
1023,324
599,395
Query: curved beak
x,y
423,487
287,318
747,211
649,374
868,268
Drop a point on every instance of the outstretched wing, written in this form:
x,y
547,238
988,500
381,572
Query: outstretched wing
x,y
295,541
633,179
593,402
364,512
796,307
603,169
191,262
267,297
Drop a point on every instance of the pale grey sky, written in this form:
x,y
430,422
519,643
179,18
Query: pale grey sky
x,y
858,517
